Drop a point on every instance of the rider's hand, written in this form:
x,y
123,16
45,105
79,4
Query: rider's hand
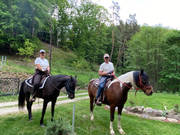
x,y
113,74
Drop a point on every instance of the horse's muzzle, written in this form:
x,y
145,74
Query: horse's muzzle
x,y
71,96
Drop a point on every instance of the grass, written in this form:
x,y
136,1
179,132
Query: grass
x,y
62,63
17,124
156,101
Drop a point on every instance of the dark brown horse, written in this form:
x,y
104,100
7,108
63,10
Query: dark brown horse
x,y
49,93
117,92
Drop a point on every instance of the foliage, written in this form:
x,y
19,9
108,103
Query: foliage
x,y
28,49
156,50
59,127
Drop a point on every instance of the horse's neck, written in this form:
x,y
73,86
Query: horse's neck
x,y
127,77
60,82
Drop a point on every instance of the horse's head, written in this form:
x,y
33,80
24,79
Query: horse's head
x,y
70,87
142,82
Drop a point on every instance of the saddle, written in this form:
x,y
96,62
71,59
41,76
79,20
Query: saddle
x,y
97,81
29,81
96,84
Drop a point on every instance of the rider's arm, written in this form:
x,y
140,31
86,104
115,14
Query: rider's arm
x,y
48,69
113,73
101,73
38,66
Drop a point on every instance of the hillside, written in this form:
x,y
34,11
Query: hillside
x,y
63,62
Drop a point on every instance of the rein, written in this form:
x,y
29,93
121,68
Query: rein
x,y
123,83
142,85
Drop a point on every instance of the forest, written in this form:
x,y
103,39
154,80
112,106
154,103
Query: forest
x,y
90,30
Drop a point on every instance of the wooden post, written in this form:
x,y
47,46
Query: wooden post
x,y
73,118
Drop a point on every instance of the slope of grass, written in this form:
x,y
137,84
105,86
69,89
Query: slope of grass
x,y
62,63
17,124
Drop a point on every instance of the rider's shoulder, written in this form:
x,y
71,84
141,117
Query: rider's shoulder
x,y
111,63
103,64
37,58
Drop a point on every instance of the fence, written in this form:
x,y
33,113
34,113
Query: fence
x,y
9,86
3,61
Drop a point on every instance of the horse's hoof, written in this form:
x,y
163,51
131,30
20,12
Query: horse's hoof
x,y
121,131
92,118
112,132
42,125
30,119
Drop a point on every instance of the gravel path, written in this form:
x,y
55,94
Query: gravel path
x,y
6,104
10,110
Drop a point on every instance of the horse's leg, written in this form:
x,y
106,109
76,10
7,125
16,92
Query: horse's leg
x,y
43,111
53,102
121,131
29,104
112,109
91,107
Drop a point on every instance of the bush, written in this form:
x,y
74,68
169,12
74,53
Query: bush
x,y
81,64
28,49
59,127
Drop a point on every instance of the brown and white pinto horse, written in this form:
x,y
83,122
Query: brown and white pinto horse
x,y
117,92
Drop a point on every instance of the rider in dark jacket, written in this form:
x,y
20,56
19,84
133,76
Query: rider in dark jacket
x,y
41,69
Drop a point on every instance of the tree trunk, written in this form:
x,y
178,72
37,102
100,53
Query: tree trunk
x,y
50,47
112,49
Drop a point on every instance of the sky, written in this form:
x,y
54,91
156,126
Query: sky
x,y
151,12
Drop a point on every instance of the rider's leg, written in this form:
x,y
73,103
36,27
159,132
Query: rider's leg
x,y
100,89
37,79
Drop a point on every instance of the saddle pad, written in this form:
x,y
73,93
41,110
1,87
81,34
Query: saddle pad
x,y
42,83
97,81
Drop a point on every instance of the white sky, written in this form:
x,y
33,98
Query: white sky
x,y
151,12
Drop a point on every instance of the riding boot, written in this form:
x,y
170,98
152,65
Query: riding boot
x,y
33,99
34,93
98,102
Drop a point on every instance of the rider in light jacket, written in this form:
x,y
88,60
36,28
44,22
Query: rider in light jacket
x,y
106,71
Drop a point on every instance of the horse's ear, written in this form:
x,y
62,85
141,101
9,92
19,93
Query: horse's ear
x,y
142,71
71,78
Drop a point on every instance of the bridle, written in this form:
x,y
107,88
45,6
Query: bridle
x,y
68,87
142,86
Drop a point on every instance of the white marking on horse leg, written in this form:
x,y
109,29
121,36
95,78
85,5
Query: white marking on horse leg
x,y
92,116
121,131
111,128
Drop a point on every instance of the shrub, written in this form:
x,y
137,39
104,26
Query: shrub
x,y
28,49
81,64
59,127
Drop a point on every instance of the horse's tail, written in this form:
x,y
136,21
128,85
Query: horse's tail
x,y
21,99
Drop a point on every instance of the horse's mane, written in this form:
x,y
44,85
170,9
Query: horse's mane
x,y
127,77
58,76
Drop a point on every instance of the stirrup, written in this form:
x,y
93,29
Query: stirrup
x,y
33,99
98,102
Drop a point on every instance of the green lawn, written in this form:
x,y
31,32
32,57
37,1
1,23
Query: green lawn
x,y
17,124
157,100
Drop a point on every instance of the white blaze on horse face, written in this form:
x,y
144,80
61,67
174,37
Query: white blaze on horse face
x,y
111,128
121,131
92,116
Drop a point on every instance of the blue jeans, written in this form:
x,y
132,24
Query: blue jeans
x,y
101,86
